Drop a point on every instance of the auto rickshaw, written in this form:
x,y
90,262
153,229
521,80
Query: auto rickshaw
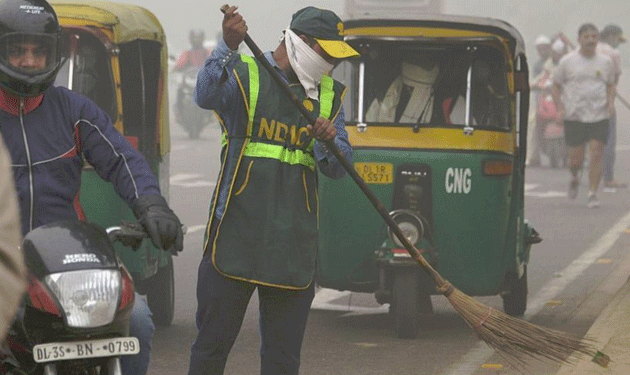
x,y
436,111
117,56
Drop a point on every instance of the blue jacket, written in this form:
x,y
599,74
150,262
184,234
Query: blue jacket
x,y
217,89
47,146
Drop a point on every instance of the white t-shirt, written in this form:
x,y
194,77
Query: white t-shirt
x,y
584,81
609,51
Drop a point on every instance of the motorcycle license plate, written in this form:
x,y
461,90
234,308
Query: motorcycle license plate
x,y
63,351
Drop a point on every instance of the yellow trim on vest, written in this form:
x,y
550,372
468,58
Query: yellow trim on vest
x,y
278,152
431,138
308,205
258,282
249,169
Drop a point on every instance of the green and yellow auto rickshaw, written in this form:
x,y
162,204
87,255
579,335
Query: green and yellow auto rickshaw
x,y
436,112
117,56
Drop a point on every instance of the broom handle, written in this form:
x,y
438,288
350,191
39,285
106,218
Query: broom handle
x,y
310,117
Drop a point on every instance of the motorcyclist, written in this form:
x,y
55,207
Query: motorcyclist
x,y
190,59
196,55
50,131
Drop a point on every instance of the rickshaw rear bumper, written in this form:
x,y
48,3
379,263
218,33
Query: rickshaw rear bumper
x,y
401,262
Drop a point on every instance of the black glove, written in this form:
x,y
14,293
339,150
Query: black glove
x,y
159,221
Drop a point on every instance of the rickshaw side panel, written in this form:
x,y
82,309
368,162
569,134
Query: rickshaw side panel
x,y
137,59
104,207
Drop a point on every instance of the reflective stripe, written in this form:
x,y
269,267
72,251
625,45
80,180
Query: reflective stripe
x,y
266,150
326,96
254,87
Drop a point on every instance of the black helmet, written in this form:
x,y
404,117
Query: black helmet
x,y
30,46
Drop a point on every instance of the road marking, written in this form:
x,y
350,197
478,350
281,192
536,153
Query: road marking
x,y
546,194
195,228
184,180
176,178
179,147
477,356
529,187
324,296
542,194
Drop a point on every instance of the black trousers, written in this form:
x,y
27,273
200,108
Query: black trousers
x,y
222,303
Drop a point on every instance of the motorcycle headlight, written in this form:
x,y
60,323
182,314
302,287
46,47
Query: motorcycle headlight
x,y
89,297
410,225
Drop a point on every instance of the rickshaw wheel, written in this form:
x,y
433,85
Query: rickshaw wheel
x,y
161,294
409,303
515,301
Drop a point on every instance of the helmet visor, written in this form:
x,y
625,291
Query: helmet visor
x,y
28,54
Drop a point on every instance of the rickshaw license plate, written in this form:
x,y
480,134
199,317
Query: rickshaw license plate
x,y
375,173
62,351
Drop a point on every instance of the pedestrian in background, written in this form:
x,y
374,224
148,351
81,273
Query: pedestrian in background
x,y
609,40
534,149
263,230
584,92
12,269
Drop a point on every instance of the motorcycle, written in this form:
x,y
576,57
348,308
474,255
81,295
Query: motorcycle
x,y
190,116
76,311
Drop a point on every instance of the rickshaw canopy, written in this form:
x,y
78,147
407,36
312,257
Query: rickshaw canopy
x,y
124,27
438,26
127,22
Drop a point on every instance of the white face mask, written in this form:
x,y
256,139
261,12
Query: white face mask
x,y
307,64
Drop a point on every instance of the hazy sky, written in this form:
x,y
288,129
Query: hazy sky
x,y
266,18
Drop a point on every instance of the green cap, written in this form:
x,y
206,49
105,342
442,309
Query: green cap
x,y
326,27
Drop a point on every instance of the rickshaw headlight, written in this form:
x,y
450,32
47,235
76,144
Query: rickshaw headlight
x,y
410,225
411,232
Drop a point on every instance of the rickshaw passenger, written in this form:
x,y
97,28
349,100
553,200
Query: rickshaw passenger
x,y
409,95
49,130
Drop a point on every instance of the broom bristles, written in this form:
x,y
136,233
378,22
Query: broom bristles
x,y
514,337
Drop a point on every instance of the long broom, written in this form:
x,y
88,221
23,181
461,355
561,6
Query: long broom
x,y
514,337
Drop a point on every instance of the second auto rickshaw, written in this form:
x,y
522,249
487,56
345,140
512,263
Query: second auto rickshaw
x,y
436,112
117,57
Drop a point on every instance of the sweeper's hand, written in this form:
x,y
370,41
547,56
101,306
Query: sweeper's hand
x,y
160,222
234,27
323,129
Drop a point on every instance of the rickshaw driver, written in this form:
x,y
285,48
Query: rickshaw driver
x,y
49,130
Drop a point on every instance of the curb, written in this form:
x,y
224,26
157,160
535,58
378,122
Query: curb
x,y
611,332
